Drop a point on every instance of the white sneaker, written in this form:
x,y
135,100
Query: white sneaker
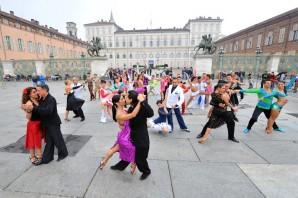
x,y
103,120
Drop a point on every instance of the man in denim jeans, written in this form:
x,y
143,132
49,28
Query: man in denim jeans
x,y
173,101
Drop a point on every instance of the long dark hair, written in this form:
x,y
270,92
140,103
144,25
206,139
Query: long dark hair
x,y
219,85
26,94
115,99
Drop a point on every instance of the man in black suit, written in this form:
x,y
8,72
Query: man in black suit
x,y
230,120
139,135
50,123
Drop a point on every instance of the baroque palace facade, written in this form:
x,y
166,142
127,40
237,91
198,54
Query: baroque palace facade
x,y
151,47
27,48
24,40
275,36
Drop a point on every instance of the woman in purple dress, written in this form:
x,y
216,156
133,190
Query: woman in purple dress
x,y
123,144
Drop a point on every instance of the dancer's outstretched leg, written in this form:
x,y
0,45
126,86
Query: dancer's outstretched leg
x,y
108,155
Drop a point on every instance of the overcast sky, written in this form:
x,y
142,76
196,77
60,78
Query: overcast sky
x,y
139,14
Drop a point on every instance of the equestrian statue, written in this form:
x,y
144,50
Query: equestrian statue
x,y
206,44
94,47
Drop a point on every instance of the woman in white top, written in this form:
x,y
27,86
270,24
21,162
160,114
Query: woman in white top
x,y
194,87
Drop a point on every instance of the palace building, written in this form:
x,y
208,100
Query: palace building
x,y
151,47
28,40
275,36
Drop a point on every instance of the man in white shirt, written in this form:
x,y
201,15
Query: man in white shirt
x,y
202,89
173,101
78,89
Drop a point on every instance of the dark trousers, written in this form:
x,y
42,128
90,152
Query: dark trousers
x,y
230,125
92,96
79,112
140,159
178,116
257,112
54,139
160,119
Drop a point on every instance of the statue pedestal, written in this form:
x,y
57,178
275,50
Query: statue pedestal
x,y
99,66
202,64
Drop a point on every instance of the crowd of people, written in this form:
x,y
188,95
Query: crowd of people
x,y
124,96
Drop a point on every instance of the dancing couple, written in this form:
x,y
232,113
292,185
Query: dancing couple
x,y
265,104
133,139
222,112
45,111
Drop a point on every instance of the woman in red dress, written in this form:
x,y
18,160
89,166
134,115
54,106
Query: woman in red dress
x,y
33,133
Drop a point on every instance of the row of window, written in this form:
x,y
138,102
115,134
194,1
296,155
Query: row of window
x,y
144,56
38,48
39,31
98,31
151,43
268,40
206,27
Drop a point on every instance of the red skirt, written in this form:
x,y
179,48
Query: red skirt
x,y
33,135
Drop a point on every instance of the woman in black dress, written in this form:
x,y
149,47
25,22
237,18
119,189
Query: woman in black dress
x,y
73,103
219,112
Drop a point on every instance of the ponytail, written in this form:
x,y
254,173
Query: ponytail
x,y
115,99
114,111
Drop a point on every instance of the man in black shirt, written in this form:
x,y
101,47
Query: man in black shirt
x,y
139,135
50,123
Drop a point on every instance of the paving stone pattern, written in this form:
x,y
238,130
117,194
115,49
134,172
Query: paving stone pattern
x,y
260,165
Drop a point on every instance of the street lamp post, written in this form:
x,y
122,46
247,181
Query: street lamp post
x,y
83,61
221,55
51,63
258,56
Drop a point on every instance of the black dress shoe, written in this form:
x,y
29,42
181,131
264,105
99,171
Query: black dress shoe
x,y
61,158
82,119
144,176
76,116
234,140
200,136
186,130
116,168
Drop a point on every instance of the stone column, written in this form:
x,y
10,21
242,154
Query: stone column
x,y
273,63
8,68
40,68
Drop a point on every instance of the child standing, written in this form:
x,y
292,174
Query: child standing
x,y
105,96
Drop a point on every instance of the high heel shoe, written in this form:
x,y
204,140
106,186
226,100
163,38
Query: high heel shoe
x,y
32,159
268,131
102,165
133,169
203,140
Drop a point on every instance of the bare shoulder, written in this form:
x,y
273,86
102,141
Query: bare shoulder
x,y
28,102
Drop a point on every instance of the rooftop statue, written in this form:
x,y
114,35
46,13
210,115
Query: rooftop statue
x,y
206,44
94,47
